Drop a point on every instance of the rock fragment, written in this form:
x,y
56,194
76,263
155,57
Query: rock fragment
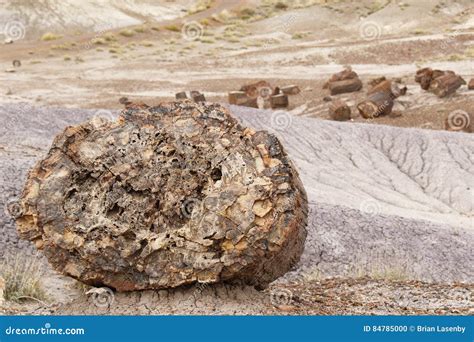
x,y
440,82
346,74
470,86
345,86
339,111
166,196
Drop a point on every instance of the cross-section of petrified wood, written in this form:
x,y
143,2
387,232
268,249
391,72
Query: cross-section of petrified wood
x,y
166,196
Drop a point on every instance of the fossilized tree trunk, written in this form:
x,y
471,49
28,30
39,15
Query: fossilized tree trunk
x,y
166,196
377,104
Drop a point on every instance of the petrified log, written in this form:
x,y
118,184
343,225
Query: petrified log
x,y
197,96
279,101
470,86
260,88
166,196
377,104
373,82
290,90
423,77
339,111
389,87
345,86
238,97
346,74
181,95
446,85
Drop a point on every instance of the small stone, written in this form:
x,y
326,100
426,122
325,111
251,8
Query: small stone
x,y
470,86
181,95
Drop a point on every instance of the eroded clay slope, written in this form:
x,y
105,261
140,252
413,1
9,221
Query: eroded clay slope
x,y
413,173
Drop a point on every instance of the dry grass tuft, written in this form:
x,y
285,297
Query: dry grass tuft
x,y
22,275
127,33
50,36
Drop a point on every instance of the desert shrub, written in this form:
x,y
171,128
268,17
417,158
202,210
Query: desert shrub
x,y
172,28
127,33
22,275
281,5
50,36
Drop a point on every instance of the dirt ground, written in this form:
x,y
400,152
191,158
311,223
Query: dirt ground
x,y
232,43
217,49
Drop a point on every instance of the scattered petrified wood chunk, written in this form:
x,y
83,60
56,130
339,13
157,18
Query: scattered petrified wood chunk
x,y
279,101
470,86
389,87
240,98
339,111
125,101
377,104
446,85
237,97
197,96
290,90
346,74
345,86
166,196
373,82
440,82
181,95
260,88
